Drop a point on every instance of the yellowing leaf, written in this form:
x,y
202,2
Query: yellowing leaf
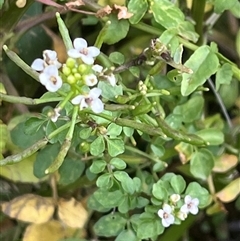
x,y
230,192
72,213
21,171
51,231
29,208
225,163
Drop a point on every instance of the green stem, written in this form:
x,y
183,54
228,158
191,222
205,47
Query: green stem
x,y
65,146
20,63
26,100
24,154
198,15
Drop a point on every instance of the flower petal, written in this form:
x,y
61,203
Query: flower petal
x,y
90,80
97,106
77,100
93,51
87,59
160,213
95,93
79,43
49,55
38,65
73,53
97,68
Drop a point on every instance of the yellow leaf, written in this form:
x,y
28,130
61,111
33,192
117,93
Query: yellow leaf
x,y
72,213
225,163
29,208
230,192
21,171
50,231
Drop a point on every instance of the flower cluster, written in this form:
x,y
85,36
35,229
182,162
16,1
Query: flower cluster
x,y
79,72
170,212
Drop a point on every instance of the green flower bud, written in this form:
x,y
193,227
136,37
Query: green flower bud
x,y
77,76
74,70
83,69
71,63
84,147
66,70
71,79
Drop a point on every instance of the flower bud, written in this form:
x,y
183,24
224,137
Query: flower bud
x,y
70,63
66,70
71,79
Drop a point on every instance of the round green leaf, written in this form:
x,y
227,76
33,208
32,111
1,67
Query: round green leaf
x,y
97,147
98,166
178,184
159,191
115,146
128,235
212,136
202,163
105,181
117,58
138,8
118,163
110,225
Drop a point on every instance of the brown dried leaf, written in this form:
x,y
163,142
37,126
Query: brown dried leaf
x,y
122,12
230,192
104,11
29,208
52,230
225,163
76,3
72,213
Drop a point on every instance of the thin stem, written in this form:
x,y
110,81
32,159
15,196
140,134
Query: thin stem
x,y
222,106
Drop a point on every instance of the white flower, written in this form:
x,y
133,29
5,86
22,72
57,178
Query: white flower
x,y
90,100
175,198
81,50
50,78
55,114
111,78
191,205
49,58
97,68
182,216
166,215
90,80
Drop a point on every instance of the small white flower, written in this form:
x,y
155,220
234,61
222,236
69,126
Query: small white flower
x,y
81,50
49,58
90,80
112,79
166,215
182,216
97,68
50,78
90,100
190,206
55,114
175,198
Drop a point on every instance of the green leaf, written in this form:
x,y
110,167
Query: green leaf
x,y
203,62
166,13
98,166
108,199
105,181
202,163
110,92
115,146
114,130
110,225
21,139
33,125
127,182
157,150
196,191
85,133
149,227
94,204
178,184
187,31
70,170
118,163
126,235
224,75
212,136
138,8
117,58
159,191
191,110
222,5
116,31
45,158
97,147
124,206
